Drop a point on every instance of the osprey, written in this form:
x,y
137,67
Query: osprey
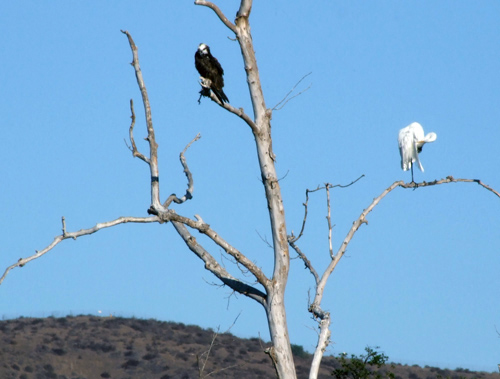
x,y
211,72
411,140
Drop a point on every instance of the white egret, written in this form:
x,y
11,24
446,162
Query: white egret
x,y
411,140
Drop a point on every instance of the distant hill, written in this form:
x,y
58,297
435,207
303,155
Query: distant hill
x,y
100,347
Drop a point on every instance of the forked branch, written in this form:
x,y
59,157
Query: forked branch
x,y
285,100
165,215
308,191
362,218
153,146
205,228
318,313
215,268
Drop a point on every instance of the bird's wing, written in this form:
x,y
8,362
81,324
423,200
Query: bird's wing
x,y
405,142
200,65
218,66
218,79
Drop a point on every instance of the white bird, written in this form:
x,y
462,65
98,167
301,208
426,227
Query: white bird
x,y
411,140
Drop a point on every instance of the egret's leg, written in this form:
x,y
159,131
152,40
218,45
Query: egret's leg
x,y
412,174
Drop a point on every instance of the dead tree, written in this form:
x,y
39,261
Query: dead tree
x,y
269,291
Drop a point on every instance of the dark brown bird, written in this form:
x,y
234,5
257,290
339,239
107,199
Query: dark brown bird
x,y
209,68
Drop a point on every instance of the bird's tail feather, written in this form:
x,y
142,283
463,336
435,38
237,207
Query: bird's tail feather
x,y
221,95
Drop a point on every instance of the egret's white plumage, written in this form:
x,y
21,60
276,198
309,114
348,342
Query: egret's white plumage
x,y
411,141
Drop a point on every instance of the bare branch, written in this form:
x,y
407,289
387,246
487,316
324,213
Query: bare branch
x,y
449,179
215,268
328,218
219,13
323,317
207,353
295,239
201,367
277,106
204,228
63,220
233,324
134,150
362,220
190,189
292,238
153,146
306,261
83,232
237,111
264,239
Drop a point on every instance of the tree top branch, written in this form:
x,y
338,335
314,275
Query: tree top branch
x,y
219,13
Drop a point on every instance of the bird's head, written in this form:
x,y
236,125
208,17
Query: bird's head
x,y
203,49
430,137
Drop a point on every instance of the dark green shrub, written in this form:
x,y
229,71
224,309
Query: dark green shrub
x,y
298,351
362,367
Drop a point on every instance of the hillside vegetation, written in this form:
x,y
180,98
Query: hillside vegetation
x,y
114,347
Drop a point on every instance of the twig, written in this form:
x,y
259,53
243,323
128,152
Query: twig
x,y
329,219
83,232
306,261
292,238
190,189
63,220
264,239
233,324
207,355
134,150
295,239
277,106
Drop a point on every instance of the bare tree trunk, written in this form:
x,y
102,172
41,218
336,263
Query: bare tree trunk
x,y
281,353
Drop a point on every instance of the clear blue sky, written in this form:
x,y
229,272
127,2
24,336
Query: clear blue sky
x,y
421,280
